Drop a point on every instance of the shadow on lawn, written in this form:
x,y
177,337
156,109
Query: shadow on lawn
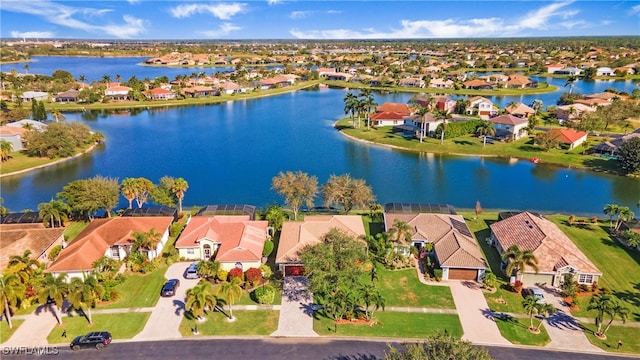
x,y
506,318
631,297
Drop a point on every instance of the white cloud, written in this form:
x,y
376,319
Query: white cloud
x,y
300,14
133,2
32,34
334,12
274,2
78,18
223,11
223,30
457,28
635,9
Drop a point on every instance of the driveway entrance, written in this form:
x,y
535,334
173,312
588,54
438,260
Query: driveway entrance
x,y
296,311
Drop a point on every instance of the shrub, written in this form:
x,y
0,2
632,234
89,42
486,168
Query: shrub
x,y
455,129
572,219
175,228
264,294
236,273
594,220
516,287
437,274
266,271
268,248
253,276
55,251
222,275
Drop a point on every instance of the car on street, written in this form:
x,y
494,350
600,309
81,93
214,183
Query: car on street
x,y
535,293
192,272
94,339
169,288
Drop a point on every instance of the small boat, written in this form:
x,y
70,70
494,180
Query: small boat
x,y
535,160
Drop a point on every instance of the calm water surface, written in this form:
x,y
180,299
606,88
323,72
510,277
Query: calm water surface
x,y
229,152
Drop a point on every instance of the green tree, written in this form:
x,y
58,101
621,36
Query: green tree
x,y
570,82
489,280
146,242
438,347
24,266
54,210
632,238
401,232
199,298
372,300
5,149
611,210
530,305
485,129
143,188
162,194
420,112
351,106
230,292
84,294
624,214
86,196
547,139
297,189
544,310
629,156
602,304
347,192
208,269
180,186
519,260
11,293
54,288
275,216
128,190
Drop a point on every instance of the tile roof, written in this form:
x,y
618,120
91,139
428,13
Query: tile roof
x,y
240,238
93,242
453,242
519,108
550,245
295,235
388,115
508,119
394,107
16,238
568,136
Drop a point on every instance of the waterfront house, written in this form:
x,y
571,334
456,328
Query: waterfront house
x,y
482,107
35,237
232,240
66,96
160,94
605,71
557,255
414,124
510,127
296,235
441,84
573,112
611,147
456,250
117,92
569,137
477,84
387,118
568,71
110,237
13,135
27,96
394,107
517,81
201,91
520,110
411,82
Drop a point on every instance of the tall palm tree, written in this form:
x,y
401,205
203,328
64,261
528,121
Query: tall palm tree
x,y
570,80
53,288
545,310
82,79
368,103
230,292
603,304
50,212
624,214
519,260
128,190
536,105
444,116
350,103
26,68
106,79
146,241
199,298
611,210
421,111
402,232
530,305
616,310
57,115
179,187
23,265
372,299
83,295
485,129
11,292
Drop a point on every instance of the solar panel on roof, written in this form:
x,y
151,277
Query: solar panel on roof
x,y
461,227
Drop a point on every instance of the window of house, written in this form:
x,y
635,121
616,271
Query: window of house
x,y
115,252
191,251
585,279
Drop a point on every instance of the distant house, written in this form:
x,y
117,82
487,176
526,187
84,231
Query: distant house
x,y
394,107
14,136
201,91
110,237
415,124
557,255
517,81
569,137
66,96
441,83
611,147
482,107
387,118
411,82
235,241
509,126
456,250
477,84
568,71
520,110
229,87
605,71
445,103
296,235
552,68
117,92
160,94
340,76
16,238
572,112
34,95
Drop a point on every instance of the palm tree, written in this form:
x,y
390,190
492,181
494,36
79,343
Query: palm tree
x,y
624,214
570,80
402,231
56,114
5,149
367,103
208,269
106,78
545,310
530,305
611,210
372,299
146,241
617,310
489,280
54,210
443,115
82,79
519,260
11,292
603,304
128,190
485,129
118,78
83,295
536,105
26,68
230,291
421,112
55,289
23,266
199,298
350,104
179,187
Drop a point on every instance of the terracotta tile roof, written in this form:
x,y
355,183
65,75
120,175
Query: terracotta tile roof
x,y
476,83
240,238
388,115
12,130
94,241
16,238
508,120
453,242
296,235
549,244
567,136
394,107
519,109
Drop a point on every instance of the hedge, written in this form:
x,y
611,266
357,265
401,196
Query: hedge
x,y
456,129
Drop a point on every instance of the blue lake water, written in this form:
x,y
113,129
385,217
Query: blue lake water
x,y
229,152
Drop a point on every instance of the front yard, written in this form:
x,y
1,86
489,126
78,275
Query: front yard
x,y
402,288
516,330
121,326
138,290
248,322
5,333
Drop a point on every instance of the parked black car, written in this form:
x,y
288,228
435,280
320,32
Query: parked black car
x,y
170,287
95,339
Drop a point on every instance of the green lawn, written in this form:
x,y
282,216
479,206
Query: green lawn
x,y
620,266
258,322
516,330
138,290
628,335
472,145
246,298
394,324
402,288
20,161
5,333
121,326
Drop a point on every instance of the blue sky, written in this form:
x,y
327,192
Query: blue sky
x,y
283,19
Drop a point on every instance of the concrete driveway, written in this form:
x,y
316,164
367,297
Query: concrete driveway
x,y
167,314
296,311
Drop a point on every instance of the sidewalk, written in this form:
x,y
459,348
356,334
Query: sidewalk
x,y
35,328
